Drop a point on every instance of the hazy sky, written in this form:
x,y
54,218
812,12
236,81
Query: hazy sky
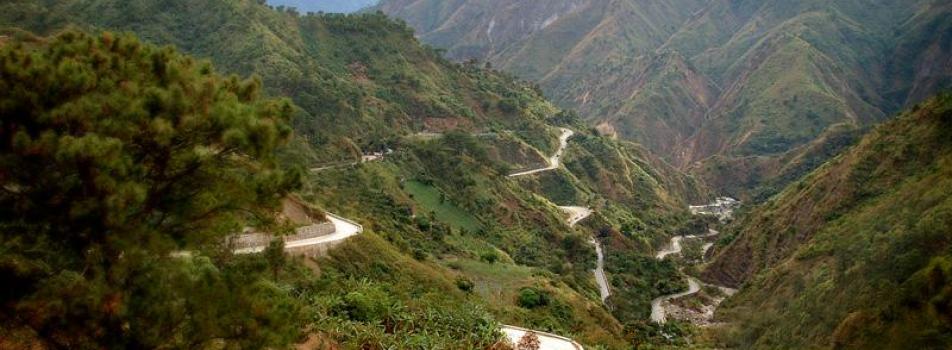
x,y
345,6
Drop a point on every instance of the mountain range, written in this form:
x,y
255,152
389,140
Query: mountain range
x,y
447,232
499,166
724,89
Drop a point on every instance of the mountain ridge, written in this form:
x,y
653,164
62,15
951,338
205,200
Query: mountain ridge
x,y
849,245
774,76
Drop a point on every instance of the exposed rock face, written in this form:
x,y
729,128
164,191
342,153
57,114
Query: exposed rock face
x,y
481,29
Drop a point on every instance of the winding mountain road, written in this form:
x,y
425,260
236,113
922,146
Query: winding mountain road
x,y
675,246
343,229
577,214
556,159
548,341
658,314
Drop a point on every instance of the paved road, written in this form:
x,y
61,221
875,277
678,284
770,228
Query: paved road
x,y
658,314
657,308
366,158
577,214
343,229
556,159
604,289
547,341
675,246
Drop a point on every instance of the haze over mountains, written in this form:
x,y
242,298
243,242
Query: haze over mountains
x,y
329,6
724,88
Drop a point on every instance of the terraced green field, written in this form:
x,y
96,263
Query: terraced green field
x,y
430,199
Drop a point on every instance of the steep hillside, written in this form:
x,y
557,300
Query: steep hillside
x,y
448,234
856,254
715,86
360,81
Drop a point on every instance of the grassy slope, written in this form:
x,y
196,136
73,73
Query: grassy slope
x,y
856,254
429,199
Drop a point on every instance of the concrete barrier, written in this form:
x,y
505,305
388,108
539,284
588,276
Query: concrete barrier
x,y
307,241
349,221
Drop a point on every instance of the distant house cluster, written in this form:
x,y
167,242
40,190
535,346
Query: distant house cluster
x,y
722,208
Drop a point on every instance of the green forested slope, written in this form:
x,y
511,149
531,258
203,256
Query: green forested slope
x,y
359,81
451,245
731,90
856,254
117,157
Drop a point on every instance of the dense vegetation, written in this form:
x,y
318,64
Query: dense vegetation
x,y
115,155
450,242
360,81
124,168
856,254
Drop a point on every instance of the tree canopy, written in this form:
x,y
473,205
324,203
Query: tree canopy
x,y
114,155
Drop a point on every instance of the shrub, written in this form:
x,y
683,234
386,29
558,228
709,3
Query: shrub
x,y
490,257
419,254
531,298
366,305
464,284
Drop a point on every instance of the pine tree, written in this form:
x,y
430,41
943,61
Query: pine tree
x,y
113,155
